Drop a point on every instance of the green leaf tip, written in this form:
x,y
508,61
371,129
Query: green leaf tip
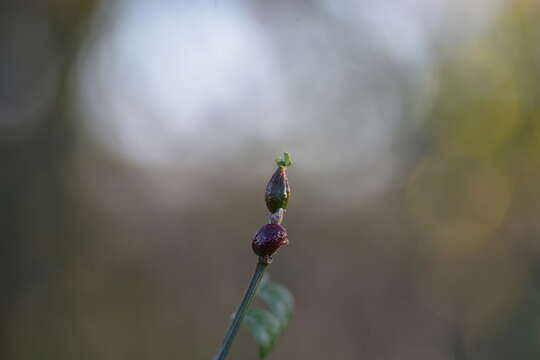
x,y
284,162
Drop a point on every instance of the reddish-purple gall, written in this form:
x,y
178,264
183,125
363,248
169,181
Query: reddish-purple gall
x,y
268,239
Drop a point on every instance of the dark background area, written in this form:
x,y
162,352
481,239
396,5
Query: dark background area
x,y
136,139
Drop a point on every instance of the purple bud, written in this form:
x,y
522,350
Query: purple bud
x,y
278,191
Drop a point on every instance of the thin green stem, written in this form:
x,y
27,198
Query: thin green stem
x,y
241,312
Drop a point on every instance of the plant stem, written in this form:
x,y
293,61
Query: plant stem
x,y
241,312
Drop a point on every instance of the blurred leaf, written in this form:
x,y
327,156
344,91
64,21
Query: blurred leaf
x,y
265,318
279,300
264,325
260,333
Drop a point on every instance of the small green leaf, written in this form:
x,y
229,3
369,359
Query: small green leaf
x,y
265,328
259,331
285,161
279,300
265,325
266,319
280,292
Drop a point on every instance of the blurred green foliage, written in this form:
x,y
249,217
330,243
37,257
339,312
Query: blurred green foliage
x,y
267,325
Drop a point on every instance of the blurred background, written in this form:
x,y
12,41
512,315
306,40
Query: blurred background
x,y
136,139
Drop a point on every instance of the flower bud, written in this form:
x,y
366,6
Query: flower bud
x,y
278,191
268,239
